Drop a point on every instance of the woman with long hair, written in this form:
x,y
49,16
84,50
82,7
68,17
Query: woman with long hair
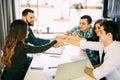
x,y
15,51
92,54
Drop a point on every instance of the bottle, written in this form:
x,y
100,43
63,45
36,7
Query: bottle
x,y
48,29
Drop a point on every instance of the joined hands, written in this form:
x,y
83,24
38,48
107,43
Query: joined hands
x,y
61,39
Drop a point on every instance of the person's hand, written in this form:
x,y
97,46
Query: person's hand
x,y
61,36
67,33
59,41
58,44
89,71
74,38
75,33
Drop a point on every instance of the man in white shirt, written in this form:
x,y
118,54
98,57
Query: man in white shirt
x,y
110,68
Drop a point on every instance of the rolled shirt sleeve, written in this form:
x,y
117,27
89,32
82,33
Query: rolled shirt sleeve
x,y
84,44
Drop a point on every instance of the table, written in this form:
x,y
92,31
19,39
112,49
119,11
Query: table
x,y
42,61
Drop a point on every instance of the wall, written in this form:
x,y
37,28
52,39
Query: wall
x,y
59,15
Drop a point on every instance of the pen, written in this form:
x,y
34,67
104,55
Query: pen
x,y
51,67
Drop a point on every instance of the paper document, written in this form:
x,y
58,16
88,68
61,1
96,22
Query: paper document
x,y
56,51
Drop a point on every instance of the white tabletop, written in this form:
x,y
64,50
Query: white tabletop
x,y
44,61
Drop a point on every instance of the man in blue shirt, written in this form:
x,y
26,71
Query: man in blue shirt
x,y
28,16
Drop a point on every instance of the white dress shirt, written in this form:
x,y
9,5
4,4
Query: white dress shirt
x,y
111,65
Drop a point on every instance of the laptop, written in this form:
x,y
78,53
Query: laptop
x,y
71,70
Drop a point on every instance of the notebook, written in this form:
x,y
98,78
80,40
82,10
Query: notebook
x,y
55,51
71,70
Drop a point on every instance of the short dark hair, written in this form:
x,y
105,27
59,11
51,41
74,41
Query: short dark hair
x,y
111,27
89,19
26,11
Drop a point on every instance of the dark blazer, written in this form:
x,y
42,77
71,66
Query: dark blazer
x,y
34,40
15,71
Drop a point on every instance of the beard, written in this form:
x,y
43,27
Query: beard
x,y
29,24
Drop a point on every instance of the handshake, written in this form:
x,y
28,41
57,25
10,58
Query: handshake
x,y
61,39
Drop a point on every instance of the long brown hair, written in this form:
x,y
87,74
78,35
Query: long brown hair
x,y
17,32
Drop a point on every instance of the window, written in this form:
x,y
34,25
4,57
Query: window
x,y
59,15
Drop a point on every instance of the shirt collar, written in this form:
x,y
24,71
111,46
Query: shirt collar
x,y
89,30
109,47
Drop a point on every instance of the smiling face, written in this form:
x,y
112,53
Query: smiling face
x,y
97,29
29,18
104,37
108,32
83,24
